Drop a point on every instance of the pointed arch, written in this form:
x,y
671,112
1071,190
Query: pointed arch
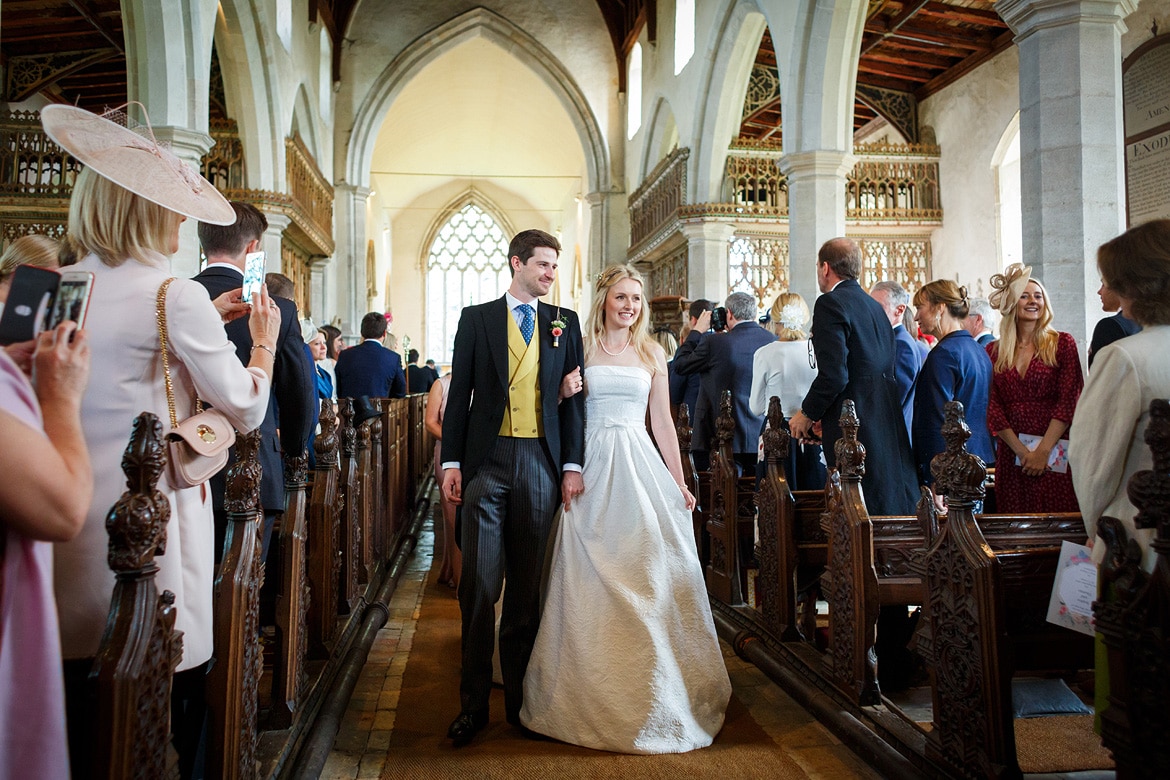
x,y
734,43
478,22
243,41
661,138
304,121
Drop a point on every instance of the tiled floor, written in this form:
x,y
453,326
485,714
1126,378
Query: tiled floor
x,y
360,749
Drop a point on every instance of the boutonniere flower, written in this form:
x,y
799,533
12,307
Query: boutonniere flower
x,y
557,328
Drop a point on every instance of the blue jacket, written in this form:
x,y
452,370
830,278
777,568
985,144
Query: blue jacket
x,y
957,369
908,358
370,369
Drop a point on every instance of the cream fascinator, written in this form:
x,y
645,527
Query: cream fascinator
x,y
1009,286
792,316
136,161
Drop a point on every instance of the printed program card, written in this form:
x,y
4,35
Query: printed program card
x,y
1057,459
1074,589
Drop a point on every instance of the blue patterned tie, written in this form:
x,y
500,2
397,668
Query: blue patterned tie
x,y
527,322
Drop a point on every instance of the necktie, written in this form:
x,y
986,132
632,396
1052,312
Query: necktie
x,y
527,322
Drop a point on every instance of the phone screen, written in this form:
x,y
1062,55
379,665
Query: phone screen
x,y
253,274
72,300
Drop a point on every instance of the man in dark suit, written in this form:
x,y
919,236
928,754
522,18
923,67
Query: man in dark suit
x,y
908,352
1112,328
980,322
511,452
418,378
723,361
685,389
369,368
294,393
854,344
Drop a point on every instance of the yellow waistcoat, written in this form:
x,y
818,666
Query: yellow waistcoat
x,y
522,416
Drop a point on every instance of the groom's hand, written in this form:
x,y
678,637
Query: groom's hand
x,y
571,486
453,486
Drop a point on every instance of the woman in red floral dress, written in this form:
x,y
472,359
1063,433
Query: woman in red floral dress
x,y
1034,390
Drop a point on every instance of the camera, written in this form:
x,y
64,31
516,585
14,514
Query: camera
x,y
719,319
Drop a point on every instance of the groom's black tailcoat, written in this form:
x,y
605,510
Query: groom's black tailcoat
x,y
511,489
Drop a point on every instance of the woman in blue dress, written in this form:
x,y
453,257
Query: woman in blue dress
x,y
956,369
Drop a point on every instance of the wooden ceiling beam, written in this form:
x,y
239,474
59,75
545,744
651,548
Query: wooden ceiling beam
x,y
115,38
956,13
905,73
885,82
915,59
884,27
963,68
912,47
934,34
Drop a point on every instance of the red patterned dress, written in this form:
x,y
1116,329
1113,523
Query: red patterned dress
x,y
1026,405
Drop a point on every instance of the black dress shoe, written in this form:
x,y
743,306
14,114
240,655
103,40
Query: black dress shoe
x,y
465,727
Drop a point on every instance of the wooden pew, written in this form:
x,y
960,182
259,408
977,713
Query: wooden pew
x,y
292,603
139,650
1133,616
721,511
348,591
850,582
377,486
324,550
233,678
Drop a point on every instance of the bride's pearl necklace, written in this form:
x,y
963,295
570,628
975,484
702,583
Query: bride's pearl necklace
x,y
601,341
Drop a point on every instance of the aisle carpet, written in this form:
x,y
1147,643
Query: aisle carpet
x,y
429,699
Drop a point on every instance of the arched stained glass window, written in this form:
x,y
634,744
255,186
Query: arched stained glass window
x,y
468,263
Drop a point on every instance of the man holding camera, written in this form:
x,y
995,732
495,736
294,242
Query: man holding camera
x,y
723,361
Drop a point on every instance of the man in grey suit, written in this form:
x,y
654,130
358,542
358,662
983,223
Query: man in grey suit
x,y
511,452
724,362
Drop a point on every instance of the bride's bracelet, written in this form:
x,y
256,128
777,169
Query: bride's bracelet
x,y
684,487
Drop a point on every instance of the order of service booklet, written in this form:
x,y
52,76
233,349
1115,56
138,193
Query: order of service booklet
x,y
1074,590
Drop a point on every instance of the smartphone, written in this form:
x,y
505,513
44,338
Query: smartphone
x,y
253,274
28,303
72,300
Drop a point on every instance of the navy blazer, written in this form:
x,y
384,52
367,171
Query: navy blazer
x,y
723,361
683,389
291,403
985,339
1110,330
370,369
909,355
957,369
478,394
854,345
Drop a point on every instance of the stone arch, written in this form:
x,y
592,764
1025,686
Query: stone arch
x,y
663,128
304,121
244,42
478,22
475,197
817,48
734,41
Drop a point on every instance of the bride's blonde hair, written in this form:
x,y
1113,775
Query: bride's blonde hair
x,y
640,338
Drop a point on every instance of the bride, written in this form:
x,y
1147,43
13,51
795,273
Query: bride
x,y
626,658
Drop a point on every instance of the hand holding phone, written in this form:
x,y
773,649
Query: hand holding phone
x,y
253,274
71,303
41,299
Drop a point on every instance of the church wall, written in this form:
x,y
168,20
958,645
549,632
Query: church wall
x,y
1138,24
969,118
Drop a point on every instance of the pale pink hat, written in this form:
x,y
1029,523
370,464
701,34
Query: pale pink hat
x,y
136,161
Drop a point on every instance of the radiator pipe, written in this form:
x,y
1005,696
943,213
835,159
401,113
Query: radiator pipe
x,y
852,732
318,742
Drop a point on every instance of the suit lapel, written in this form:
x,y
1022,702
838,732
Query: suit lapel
x,y
496,328
549,370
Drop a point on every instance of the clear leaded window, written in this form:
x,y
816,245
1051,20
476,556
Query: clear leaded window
x,y
467,264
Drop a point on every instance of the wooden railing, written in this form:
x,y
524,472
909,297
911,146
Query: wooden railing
x,y
36,178
655,203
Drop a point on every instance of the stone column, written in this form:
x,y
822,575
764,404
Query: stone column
x,y
816,211
349,216
1071,144
271,240
609,232
189,146
708,249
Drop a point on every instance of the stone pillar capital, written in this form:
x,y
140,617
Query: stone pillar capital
x,y
355,191
1025,17
707,230
277,223
820,163
189,145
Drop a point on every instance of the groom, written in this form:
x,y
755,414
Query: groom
x,y
507,447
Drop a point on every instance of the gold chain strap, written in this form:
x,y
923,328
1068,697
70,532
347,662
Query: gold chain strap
x,y
161,316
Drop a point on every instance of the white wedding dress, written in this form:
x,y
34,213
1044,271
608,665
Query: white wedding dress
x,y
626,658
